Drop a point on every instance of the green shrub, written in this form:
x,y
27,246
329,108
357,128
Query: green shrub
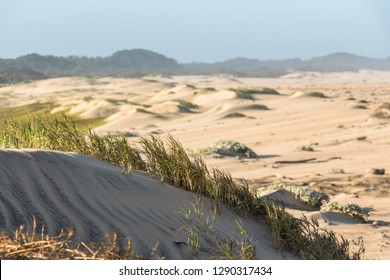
x,y
351,209
304,193
231,148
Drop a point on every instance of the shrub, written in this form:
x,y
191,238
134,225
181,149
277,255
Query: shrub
x,y
351,209
249,91
317,94
304,193
232,148
235,115
305,148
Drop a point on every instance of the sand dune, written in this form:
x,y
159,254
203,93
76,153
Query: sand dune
x,y
169,107
176,92
301,94
94,109
94,198
212,98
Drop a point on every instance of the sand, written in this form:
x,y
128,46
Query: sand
x,y
341,127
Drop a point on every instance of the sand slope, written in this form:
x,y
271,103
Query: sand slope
x,y
64,190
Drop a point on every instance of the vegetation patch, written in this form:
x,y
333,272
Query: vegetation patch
x,y
351,209
317,94
305,148
186,104
303,193
235,115
229,148
337,171
87,98
117,101
150,80
156,115
382,112
190,86
359,106
209,89
258,107
139,104
249,91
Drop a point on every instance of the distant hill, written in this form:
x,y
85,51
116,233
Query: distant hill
x,y
14,75
328,63
141,61
138,62
346,61
122,63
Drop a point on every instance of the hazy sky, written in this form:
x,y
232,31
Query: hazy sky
x,y
196,30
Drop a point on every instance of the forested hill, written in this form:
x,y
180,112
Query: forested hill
x,y
120,63
138,62
329,63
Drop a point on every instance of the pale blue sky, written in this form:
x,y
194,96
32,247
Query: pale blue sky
x,y
196,30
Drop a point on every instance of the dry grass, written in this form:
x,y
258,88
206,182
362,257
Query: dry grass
x,y
34,245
